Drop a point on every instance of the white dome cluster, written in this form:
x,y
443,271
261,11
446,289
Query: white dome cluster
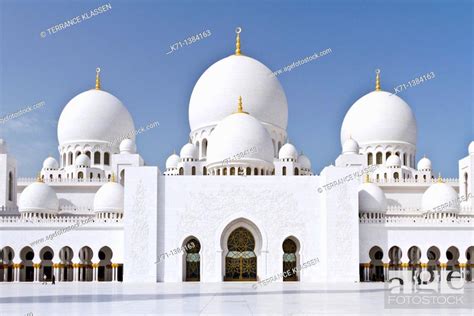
x,y
424,164
38,197
393,162
82,161
172,162
189,152
50,164
288,152
350,146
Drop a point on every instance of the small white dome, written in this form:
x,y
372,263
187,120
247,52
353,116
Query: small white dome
x,y
379,117
172,161
393,162
3,146
288,151
304,162
82,161
213,97
350,146
440,197
471,148
39,197
109,198
94,116
240,136
50,163
424,164
127,146
371,198
189,151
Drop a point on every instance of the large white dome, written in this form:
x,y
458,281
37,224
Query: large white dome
x,y
379,117
109,198
39,197
213,97
372,198
95,116
440,197
240,136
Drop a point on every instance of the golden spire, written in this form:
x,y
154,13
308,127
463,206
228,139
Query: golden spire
x,y
97,78
377,80
112,177
240,108
367,178
440,180
38,178
237,41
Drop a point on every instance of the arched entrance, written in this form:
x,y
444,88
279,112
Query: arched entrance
x,y
104,272
290,260
85,270
376,264
240,260
6,265
27,272
46,264
192,260
66,267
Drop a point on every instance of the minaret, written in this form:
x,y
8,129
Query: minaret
x,y
8,180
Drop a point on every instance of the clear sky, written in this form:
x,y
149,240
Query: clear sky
x,y
405,39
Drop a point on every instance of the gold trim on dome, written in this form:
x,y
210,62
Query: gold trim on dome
x,y
38,178
237,41
97,78
377,80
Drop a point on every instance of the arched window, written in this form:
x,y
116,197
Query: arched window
x,y
88,154
224,172
106,159
385,176
370,159
97,158
296,171
378,158
64,159
181,171
232,171
218,172
91,175
376,264
466,185
10,186
51,177
249,171
204,147
424,177
388,154
284,171
289,260
404,159
193,260
193,170
70,158
204,171
262,172
255,172
396,175
80,175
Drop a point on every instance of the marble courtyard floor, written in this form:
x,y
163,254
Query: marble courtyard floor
x,y
203,299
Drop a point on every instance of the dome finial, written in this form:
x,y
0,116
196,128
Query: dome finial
x,y
367,178
240,108
97,78
38,178
440,180
237,41
377,80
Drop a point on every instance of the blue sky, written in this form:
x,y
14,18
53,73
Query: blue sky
x,y
405,39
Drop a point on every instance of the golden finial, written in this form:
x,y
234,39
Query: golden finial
x,y
38,178
240,108
97,78
112,177
440,180
377,80
237,41
367,178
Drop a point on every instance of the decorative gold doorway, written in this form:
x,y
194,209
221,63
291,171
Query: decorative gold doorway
x,y
240,260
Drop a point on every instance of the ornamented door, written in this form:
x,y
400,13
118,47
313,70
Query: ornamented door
x,y
241,261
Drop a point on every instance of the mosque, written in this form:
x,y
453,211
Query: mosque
x,y
239,202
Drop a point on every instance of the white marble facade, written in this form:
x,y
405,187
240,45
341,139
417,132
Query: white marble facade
x,y
245,199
